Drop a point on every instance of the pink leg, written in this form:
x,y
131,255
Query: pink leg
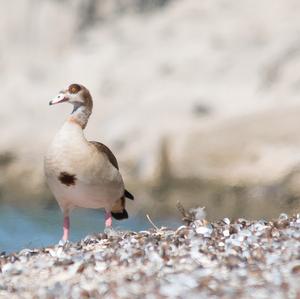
x,y
66,228
108,219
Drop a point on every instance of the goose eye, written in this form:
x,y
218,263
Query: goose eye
x,y
74,88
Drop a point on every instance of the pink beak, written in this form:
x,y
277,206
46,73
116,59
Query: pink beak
x,y
59,99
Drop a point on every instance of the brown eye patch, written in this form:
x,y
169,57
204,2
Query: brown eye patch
x,y
74,88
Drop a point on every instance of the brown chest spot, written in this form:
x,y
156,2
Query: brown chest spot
x,y
67,179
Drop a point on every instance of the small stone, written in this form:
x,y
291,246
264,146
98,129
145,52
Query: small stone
x,y
275,233
226,221
246,232
283,217
64,262
11,269
226,233
27,252
204,230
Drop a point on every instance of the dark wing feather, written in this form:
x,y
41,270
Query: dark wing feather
x,y
120,204
127,194
104,149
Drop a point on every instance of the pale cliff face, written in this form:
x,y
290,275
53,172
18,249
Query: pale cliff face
x,y
189,70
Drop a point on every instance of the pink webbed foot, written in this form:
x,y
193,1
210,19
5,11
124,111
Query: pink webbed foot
x,y
108,220
66,229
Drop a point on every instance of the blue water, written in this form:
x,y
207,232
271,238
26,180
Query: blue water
x,y
38,227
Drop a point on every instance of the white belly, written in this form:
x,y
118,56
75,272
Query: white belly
x,y
86,196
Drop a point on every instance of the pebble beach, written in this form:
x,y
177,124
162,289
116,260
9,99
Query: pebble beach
x,y
223,259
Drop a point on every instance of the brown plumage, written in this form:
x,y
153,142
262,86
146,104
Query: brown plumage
x,y
103,148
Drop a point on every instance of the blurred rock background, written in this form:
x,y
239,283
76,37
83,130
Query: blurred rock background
x,y
198,99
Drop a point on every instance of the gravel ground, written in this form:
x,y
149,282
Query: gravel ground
x,y
241,259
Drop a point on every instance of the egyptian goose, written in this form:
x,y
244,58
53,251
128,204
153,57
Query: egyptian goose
x,y
82,173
